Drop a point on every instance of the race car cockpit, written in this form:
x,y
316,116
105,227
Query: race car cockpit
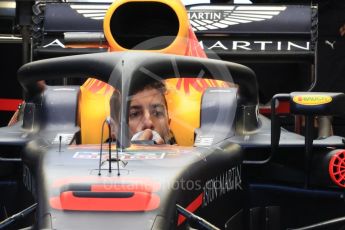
x,y
183,94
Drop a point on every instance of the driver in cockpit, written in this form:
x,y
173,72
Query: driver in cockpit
x,y
148,117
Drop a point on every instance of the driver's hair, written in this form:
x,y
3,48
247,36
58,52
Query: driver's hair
x,y
152,84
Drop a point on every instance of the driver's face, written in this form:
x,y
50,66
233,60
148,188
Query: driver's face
x,y
147,110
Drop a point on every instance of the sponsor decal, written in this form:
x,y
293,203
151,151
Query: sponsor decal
x,y
331,44
212,17
202,18
91,11
235,45
222,184
89,155
266,45
205,17
55,43
313,99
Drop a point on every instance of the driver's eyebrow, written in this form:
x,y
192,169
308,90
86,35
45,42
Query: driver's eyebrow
x,y
157,106
135,107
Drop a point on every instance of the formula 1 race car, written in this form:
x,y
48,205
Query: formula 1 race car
x,y
232,168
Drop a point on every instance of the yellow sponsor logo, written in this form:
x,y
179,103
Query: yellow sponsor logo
x,y
312,99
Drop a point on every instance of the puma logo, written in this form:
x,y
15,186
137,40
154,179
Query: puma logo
x,y
331,44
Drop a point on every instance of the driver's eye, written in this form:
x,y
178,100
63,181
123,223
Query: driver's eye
x,y
134,114
158,113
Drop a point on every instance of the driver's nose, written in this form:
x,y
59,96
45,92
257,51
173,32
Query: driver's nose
x,y
147,122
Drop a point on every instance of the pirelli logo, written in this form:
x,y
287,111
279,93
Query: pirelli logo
x,y
312,99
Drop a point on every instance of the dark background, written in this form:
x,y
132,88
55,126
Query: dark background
x,y
330,61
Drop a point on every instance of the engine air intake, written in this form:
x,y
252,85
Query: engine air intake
x,y
136,22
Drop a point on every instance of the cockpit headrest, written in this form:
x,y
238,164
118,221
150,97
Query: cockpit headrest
x,y
184,103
